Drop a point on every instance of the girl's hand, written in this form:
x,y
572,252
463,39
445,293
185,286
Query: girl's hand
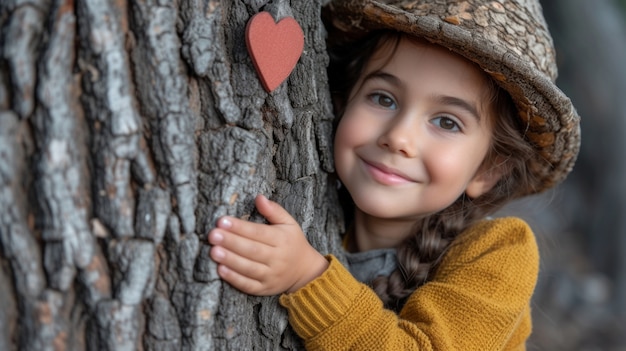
x,y
262,259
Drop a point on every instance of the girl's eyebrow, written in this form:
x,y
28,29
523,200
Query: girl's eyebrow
x,y
388,77
458,102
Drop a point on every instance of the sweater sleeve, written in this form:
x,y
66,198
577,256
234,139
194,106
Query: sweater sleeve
x,y
477,300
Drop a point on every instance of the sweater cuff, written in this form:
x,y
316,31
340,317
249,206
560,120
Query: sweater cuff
x,y
321,302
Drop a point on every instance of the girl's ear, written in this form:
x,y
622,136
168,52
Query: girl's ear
x,y
486,179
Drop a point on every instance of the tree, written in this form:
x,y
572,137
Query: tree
x,y
126,129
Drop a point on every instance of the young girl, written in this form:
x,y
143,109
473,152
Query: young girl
x,y
443,120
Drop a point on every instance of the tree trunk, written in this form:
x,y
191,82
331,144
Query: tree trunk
x,y
126,129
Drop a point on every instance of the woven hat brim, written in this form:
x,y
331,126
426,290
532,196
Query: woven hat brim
x,y
552,123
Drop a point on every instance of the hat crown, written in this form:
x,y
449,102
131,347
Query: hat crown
x,y
518,26
509,26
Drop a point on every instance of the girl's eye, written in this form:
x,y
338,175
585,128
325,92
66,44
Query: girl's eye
x,y
383,100
447,123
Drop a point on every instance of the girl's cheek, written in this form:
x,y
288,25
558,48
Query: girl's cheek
x,y
340,134
351,127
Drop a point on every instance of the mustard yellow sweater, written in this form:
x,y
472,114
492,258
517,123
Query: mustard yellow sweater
x,y
479,299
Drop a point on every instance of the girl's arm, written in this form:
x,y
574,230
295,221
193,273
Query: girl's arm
x,y
261,259
477,300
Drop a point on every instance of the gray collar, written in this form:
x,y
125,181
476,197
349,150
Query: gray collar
x,y
367,265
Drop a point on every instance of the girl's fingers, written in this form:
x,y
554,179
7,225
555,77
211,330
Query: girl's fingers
x,y
241,282
238,265
255,258
242,228
273,212
251,249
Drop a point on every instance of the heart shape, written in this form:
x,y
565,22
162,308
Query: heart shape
x,y
275,48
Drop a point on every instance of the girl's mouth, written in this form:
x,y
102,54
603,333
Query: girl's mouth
x,y
386,175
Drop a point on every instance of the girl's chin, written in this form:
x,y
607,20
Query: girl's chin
x,y
386,212
393,210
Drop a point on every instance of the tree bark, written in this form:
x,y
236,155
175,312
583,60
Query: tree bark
x,y
126,129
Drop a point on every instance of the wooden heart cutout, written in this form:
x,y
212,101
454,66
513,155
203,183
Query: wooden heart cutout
x,y
274,47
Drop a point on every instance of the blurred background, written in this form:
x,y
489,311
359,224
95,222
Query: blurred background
x,y
580,302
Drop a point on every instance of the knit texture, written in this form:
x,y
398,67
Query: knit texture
x,y
479,299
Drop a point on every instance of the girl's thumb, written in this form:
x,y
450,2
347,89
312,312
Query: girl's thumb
x,y
272,211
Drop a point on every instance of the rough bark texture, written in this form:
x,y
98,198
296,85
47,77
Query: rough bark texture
x,y
126,129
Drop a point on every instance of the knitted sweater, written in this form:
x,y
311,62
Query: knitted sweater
x,y
478,299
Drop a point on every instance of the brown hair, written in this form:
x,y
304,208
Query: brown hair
x,y
420,254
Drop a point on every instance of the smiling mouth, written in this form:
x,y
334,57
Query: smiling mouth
x,y
385,175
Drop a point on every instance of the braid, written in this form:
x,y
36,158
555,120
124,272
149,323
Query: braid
x,y
418,256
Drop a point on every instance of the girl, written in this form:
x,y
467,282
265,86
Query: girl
x,y
443,120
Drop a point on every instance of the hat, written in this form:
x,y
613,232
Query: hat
x,y
509,39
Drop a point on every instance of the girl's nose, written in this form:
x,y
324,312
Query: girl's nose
x,y
400,136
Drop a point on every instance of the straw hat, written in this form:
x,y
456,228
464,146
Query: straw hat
x,y
509,39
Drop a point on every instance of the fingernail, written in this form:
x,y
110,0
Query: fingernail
x,y
222,270
218,253
217,237
225,223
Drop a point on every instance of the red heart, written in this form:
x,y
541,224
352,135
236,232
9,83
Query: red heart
x,y
274,47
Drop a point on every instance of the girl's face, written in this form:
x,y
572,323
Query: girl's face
x,y
415,132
